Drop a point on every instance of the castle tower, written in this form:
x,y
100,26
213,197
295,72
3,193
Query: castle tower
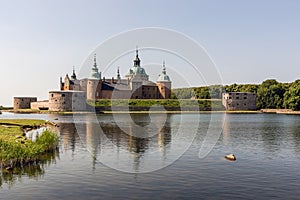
x,y
73,77
136,71
118,75
93,90
67,84
61,84
164,84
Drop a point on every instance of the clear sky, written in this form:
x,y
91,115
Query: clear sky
x,y
41,40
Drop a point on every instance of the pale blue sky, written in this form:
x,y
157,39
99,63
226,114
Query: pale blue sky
x,y
249,41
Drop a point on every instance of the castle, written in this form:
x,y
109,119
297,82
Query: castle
x,y
239,100
135,85
74,92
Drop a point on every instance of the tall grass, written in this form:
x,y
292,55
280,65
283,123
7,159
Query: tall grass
x,y
16,152
16,149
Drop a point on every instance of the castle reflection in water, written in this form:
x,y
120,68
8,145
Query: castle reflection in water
x,y
137,135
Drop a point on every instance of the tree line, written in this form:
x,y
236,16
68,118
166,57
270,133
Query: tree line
x,y
270,93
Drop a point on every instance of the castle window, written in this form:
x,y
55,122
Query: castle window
x,y
229,97
245,97
237,97
63,95
52,95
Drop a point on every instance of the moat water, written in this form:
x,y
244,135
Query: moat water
x,y
112,157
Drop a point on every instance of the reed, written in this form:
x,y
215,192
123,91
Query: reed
x,y
17,150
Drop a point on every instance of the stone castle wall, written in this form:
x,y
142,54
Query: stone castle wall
x,y
40,105
23,102
164,90
239,101
67,101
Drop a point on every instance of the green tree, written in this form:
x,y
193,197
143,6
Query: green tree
x,y
270,94
292,96
182,93
202,92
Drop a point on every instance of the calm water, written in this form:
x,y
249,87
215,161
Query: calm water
x,y
267,147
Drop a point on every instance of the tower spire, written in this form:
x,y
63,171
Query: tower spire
x,y
137,60
95,61
163,77
74,74
95,73
164,68
118,74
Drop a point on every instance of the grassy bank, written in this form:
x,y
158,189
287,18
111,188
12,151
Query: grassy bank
x,y
169,104
16,149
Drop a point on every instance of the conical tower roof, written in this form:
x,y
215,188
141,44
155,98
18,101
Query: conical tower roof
x,y
94,74
163,77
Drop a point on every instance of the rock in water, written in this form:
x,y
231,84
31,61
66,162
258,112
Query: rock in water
x,y
230,157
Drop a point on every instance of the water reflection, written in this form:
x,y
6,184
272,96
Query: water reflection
x,y
32,171
68,135
292,128
253,138
107,138
271,133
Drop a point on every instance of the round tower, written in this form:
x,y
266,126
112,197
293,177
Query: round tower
x,y
93,90
164,84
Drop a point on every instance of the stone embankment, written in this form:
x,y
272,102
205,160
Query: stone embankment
x,y
280,111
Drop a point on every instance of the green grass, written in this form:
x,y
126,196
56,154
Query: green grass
x,y
16,149
23,122
206,104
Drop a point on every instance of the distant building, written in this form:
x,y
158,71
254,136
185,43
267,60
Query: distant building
x,y
135,85
239,101
23,102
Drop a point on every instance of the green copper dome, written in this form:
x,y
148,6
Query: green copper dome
x,y
94,74
163,77
137,70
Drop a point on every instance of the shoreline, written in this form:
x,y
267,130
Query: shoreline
x,y
280,111
268,111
